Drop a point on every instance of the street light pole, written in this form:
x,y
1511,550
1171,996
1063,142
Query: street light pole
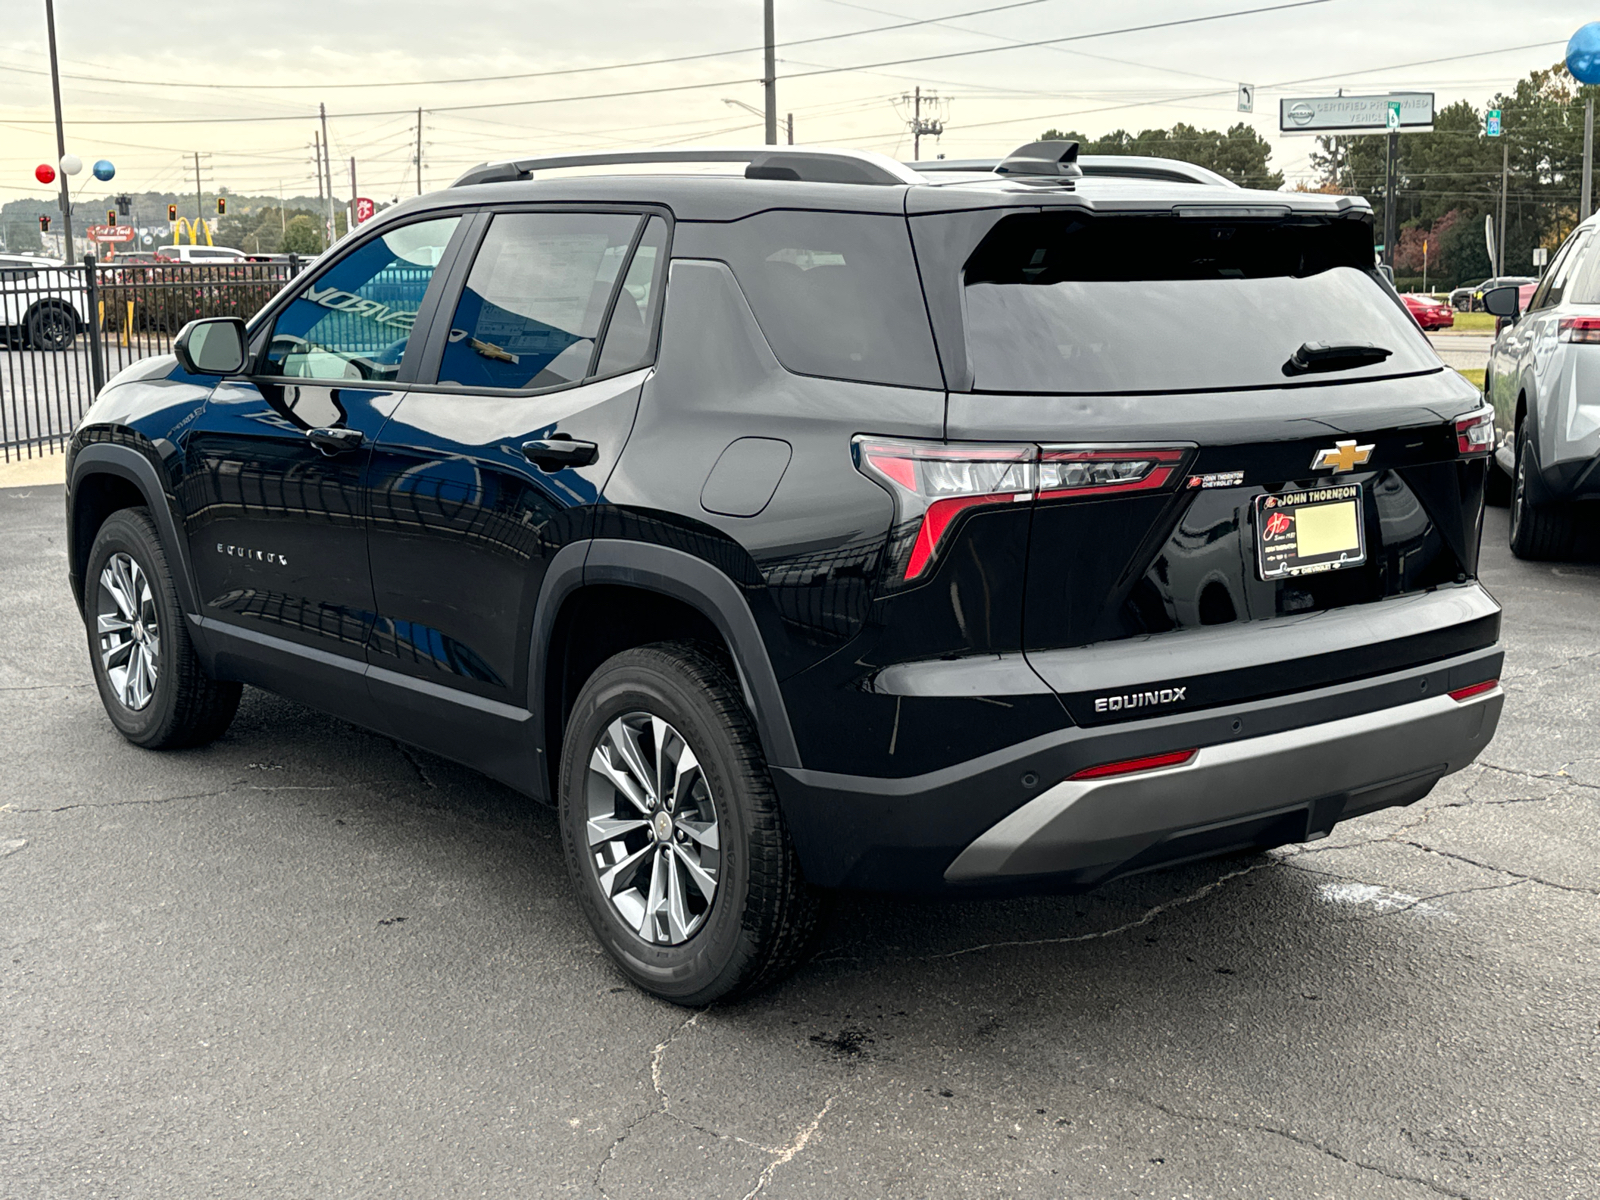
x,y
1588,157
769,81
61,137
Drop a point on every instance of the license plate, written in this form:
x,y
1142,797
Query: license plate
x,y
1302,533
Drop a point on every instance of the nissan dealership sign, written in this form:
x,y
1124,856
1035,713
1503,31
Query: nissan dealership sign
x,y
1356,114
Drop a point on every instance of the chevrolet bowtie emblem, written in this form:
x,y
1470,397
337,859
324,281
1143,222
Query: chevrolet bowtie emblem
x,y
1344,456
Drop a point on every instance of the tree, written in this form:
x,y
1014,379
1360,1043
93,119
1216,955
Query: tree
x,y
1241,153
302,236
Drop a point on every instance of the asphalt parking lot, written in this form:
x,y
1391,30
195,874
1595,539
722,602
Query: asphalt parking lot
x,y
306,962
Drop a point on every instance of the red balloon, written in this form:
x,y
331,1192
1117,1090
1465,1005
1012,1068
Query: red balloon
x,y
44,173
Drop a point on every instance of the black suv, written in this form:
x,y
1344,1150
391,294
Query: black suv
x,y
839,525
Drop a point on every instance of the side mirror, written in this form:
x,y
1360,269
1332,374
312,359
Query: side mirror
x,y
1503,301
214,346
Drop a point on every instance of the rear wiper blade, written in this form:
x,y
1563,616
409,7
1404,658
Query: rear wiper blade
x,y
1333,356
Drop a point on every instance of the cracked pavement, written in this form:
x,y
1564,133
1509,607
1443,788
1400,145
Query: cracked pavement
x,y
307,962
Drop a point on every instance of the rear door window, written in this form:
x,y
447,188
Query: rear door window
x,y
536,299
836,294
1069,303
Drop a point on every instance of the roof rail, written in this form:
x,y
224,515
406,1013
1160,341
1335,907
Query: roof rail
x,y
1122,166
765,162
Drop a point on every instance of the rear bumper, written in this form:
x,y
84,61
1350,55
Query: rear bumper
x,y
1227,795
1267,772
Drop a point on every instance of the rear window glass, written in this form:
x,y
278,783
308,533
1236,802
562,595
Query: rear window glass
x,y
1070,303
836,294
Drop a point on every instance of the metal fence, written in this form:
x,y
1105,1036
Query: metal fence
x,y
65,330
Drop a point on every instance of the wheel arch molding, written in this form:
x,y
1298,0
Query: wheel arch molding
x,y
99,480
697,597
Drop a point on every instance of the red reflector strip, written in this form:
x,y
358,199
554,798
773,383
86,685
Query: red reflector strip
x,y
1476,689
1173,758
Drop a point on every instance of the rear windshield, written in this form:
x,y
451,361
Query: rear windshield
x,y
1071,303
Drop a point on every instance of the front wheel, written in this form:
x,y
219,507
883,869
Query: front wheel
x,y
674,840
151,682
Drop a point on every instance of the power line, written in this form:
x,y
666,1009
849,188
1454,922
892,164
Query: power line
x,y
688,87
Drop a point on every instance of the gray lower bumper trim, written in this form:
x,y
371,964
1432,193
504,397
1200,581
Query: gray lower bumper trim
x,y
1088,823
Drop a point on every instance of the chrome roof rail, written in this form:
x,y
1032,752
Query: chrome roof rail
x,y
764,162
1094,166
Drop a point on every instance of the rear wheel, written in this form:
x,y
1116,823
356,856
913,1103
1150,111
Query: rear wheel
x,y
149,677
674,840
1538,531
52,327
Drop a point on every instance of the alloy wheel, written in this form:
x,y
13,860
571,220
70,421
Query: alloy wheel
x,y
129,631
652,831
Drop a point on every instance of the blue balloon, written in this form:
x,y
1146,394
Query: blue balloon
x,y
1583,54
103,170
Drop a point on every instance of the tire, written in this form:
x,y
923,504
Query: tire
x,y
52,327
128,577
1539,532
671,939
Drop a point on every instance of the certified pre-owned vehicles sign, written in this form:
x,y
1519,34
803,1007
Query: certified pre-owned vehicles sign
x,y
1355,114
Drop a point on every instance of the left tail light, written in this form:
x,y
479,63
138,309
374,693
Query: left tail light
x,y
935,482
1475,432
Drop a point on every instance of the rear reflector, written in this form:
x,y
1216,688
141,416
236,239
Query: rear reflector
x,y
1476,689
1173,758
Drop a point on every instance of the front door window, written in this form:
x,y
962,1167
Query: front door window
x,y
353,321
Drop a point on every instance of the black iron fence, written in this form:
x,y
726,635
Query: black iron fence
x,y
65,330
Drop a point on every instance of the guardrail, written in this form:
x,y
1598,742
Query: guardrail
x,y
65,330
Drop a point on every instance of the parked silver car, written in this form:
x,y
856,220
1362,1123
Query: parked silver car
x,y
1544,382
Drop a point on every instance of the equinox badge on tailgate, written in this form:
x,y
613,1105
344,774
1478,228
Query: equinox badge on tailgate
x,y
1139,699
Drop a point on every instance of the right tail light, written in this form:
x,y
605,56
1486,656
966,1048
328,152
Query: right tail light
x,y
935,482
1578,329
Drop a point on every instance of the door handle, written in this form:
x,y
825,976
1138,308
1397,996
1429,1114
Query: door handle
x,y
335,441
557,451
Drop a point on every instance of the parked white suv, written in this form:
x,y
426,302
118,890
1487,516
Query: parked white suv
x,y
43,306
202,254
1544,382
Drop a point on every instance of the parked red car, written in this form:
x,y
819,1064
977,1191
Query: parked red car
x,y
1429,312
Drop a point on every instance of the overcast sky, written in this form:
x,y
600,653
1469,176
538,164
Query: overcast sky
x,y
121,101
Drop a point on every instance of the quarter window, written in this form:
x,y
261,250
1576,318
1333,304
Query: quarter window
x,y
535,300
627,344
353,321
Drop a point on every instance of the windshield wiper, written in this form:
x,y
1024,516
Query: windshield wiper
x,y
1333,356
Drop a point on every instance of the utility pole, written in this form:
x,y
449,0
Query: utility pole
x,y
1391,223
316,158
769,80
327,169
350,216
61,137
1505,175
419,151
1588,157
199,199
932,127
790,123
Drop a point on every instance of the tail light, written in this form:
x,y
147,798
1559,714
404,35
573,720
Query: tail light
x,y
934,482
1578,329
1475,432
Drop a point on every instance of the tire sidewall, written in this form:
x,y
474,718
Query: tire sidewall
x,y
635,682
125,533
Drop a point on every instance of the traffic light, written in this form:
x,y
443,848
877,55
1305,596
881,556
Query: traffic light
x,y
111,216
172,212
44,223
124,204
222,206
